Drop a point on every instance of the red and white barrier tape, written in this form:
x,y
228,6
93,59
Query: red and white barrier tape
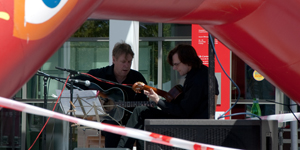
x,y
125,131
280,117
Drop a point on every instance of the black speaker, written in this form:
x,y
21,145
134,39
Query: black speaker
x,y
101,149
242,134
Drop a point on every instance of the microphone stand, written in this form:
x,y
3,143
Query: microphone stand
x,y
71,114
44,141
46,77
72,74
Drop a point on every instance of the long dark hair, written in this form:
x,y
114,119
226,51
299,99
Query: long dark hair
x,y
186,54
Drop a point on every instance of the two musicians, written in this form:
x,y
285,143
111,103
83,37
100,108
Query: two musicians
x,y
193,102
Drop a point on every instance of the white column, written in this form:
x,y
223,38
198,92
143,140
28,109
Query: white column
x,y
127,31
294,128
24,119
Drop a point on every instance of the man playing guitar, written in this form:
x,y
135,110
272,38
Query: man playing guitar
x,y
121,73
194,97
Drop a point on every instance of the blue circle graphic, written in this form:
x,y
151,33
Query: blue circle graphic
x,y
51,3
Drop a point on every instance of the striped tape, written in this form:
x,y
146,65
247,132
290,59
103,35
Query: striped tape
x,y
279,117
125,131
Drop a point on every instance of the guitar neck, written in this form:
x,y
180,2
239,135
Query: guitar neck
x,y
131,104
158,91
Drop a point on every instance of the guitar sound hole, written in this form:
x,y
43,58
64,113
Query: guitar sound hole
x,y
109,105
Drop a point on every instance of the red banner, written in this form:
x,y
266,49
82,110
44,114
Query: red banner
x,y
200,43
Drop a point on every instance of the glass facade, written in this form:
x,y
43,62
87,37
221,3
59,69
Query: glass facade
x,y
250,88
148,51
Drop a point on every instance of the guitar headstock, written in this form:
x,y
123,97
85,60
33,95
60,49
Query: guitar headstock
x,y
138,87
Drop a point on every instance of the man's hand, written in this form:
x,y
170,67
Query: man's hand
x,y
152,95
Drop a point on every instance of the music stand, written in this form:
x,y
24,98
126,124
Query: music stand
x,y
86,103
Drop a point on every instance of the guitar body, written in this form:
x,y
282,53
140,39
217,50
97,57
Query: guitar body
x,y
114,105
114,95
176,93
113,100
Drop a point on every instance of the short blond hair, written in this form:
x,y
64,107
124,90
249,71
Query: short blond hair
x,y
122,48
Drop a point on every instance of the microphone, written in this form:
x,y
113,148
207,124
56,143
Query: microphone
x,y
62,80
87,83
68,70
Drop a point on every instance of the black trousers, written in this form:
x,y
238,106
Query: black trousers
x,y
111,139
136,121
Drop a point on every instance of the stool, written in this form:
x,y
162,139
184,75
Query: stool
x,y
93,140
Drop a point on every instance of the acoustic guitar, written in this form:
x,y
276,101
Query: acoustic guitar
x,y
172,95
113,103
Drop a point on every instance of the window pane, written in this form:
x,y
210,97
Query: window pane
x,y
93,28
10,129
79,56
148,29
242,74
89,55
148,61
258,89
170,30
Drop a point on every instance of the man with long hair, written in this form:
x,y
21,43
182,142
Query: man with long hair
x,y
194,98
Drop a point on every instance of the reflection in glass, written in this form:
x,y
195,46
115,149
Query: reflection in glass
x,y
148,61
171,30
79,56
93,28
88,55
258,89
148,29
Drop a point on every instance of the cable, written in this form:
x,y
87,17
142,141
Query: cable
x,y
56,109
49,117
282,103
239,91
288,106
107,81
293,114
243,113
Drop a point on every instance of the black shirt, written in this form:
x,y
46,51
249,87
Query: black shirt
x,y
194,104
107,73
